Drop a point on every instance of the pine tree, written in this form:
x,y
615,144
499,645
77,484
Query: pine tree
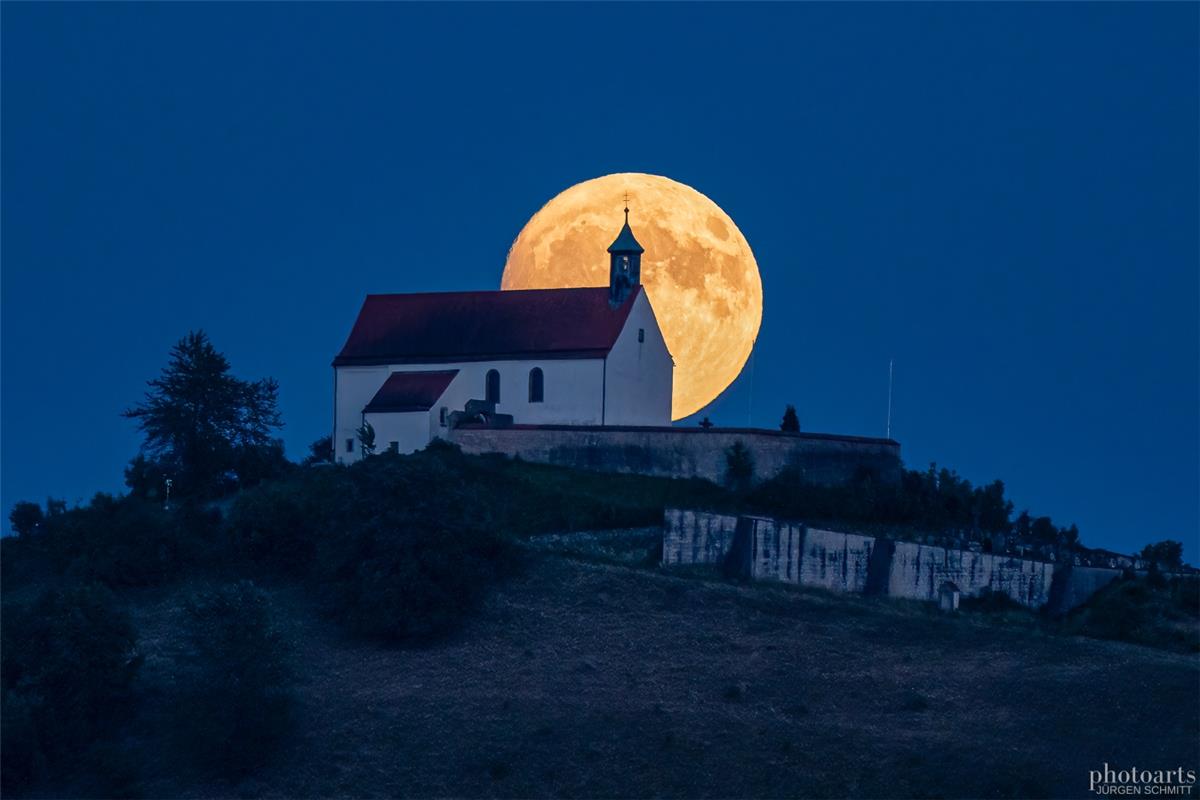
x,y
199,420
791,423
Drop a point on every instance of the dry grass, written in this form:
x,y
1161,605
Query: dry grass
x,y
593,680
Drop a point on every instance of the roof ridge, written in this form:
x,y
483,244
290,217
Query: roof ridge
x,y
489,291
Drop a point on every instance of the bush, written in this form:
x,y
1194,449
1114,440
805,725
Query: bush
x,y
26,518
127,541
405,546
739,467
1167,554
68,662
235,698
279,524
408,579
400,546
1148,610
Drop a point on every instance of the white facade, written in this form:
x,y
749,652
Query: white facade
x,y
630,386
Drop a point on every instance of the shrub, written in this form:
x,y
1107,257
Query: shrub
x,y
739,467
279,524
404,546
319,452
1143,610
68,664
235,698
127,541
410,578
1167,553
26,518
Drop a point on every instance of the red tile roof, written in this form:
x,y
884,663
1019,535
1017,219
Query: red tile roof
x,y
481,326
410,391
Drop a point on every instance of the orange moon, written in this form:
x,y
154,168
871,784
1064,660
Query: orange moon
x,y
698,270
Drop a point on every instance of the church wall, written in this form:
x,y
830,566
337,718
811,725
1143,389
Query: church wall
x,y
355,386
410,430
573,391
639,374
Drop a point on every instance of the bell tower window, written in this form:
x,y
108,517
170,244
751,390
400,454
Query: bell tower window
x,y
625,265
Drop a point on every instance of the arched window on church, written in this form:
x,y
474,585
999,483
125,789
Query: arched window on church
x,y
492,387
536,385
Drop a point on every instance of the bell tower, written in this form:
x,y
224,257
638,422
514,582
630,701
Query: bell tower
x,y
625,264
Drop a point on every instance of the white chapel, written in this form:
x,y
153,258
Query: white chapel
x,y
416,365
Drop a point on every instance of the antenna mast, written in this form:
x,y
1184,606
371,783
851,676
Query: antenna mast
x,y
891,369
750,401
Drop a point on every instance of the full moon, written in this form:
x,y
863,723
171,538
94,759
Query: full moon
x,y
698,270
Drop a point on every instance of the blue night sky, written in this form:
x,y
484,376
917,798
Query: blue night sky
x,y
1002,197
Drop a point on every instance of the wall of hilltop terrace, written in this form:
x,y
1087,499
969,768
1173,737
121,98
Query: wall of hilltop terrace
x,y
687,452
795,553
696,537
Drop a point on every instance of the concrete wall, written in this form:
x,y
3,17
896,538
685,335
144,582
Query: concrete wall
x,y
696,537
918,570
687,452
848,562
1075,584
836,561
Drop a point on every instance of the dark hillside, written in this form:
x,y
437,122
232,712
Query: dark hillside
x,y
599,681
425,625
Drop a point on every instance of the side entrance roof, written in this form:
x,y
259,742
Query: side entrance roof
x,y
410,391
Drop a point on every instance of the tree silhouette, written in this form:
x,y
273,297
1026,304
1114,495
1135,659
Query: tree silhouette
x,y
366,438
739,466
199,420
1167,553
26,517
791,423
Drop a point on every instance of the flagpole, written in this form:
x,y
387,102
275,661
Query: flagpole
x,y
891,369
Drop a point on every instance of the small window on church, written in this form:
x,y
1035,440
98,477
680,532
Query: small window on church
x,y
442,417
491,390
536,385
349,445
641,334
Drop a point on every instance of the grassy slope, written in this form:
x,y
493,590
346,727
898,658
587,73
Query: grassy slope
x,y
585,679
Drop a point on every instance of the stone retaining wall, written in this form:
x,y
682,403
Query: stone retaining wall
x,y
687,452
769,549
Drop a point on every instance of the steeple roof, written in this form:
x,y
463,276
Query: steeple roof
x,y
626,243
